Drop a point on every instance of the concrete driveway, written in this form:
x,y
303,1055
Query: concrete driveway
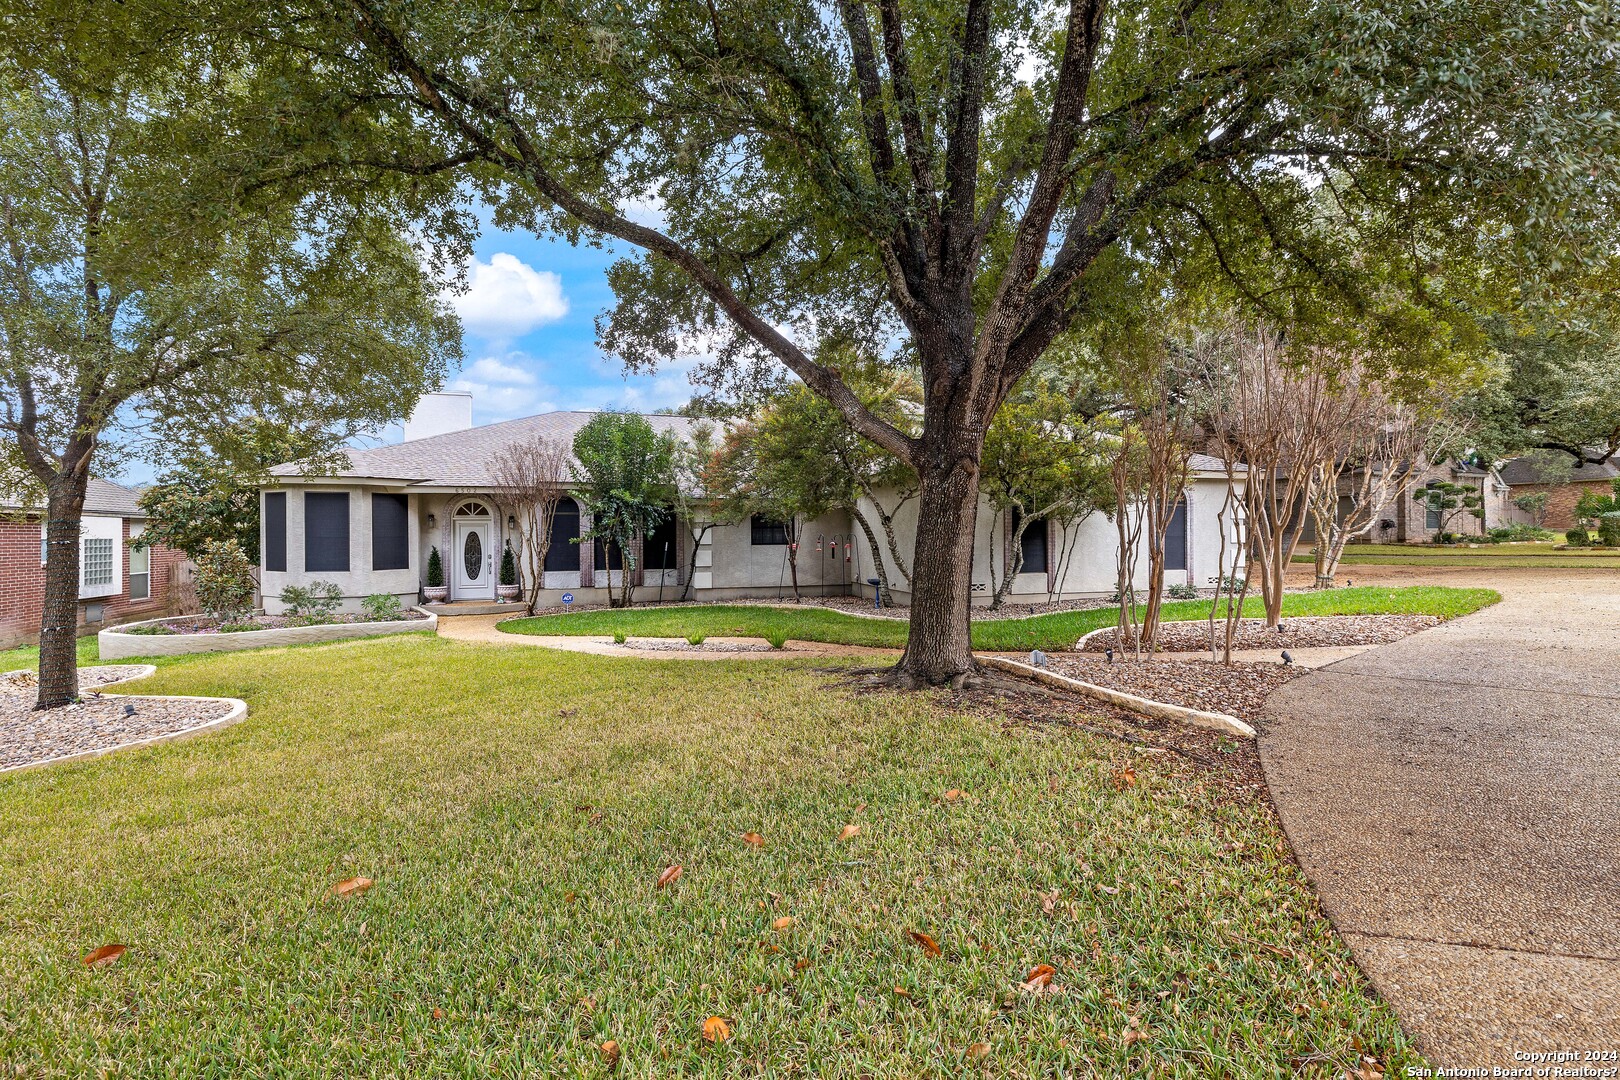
x,y
1455,799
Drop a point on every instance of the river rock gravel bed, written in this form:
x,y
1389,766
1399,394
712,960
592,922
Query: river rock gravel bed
x,y
676,645
1317,631
96,722
1239,690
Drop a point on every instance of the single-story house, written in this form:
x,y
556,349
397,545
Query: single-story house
x,y
1409,518
118,582
1564,479
369,528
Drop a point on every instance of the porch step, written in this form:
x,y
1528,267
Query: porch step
x,y
473,607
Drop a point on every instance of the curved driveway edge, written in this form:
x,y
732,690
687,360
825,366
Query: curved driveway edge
x,y
1455,799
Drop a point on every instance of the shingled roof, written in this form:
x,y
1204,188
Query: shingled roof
x,y
100,497
1538,469
466,458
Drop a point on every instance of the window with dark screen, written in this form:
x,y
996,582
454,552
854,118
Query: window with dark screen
x,y
326,531
390,532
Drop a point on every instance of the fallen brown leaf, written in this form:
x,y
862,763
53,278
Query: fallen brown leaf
x,y
783,923
1124,778
953,794
352,886
610,1052
753,839
568,897
1049,902
978,1052
929,945
107,954
670,875
902,991
1040,975
849,831
438,1014
716,1030
800,965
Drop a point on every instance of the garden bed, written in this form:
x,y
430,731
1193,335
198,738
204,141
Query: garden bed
x,y
203,624
1238,690
192,634
1327,631
96,723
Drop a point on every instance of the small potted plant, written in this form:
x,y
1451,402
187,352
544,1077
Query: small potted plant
x,y
508,587
435,591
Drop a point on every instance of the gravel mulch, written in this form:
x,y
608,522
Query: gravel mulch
x,y
675,645
1320,631
1239,690
97,722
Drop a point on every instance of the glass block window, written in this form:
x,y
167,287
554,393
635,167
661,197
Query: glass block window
x,y
96,565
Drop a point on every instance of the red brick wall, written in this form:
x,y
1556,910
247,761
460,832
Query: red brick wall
x,y
1561,499
22,585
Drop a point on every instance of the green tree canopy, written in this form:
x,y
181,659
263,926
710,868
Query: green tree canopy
x,y
137,286
976,179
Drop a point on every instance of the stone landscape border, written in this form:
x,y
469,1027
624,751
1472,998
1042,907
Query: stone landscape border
x,y
1146,706
117,644
237,712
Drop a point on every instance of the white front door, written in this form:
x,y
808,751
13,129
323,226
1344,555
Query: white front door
x,y
472,562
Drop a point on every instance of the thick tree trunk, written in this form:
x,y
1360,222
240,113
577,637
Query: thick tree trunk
x,y
59,621
940,650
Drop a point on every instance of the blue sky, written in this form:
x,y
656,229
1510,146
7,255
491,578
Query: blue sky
x,y
528,319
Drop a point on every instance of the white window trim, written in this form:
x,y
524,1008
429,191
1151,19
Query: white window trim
x,y
135,530
102,528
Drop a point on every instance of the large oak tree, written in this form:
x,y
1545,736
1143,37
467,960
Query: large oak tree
x,y
976,179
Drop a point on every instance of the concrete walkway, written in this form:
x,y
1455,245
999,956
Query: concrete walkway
x,y
1455,799
481,629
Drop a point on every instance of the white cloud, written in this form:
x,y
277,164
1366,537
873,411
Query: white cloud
x,y
506,298
495,370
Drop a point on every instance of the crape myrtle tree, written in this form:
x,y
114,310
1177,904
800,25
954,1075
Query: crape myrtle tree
x,y
974,178
134,287
808,457
624,472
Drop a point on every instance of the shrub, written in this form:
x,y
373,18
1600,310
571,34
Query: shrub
x,y
508,565
1609,529
380,607
1509,534
224,580
314,603
435,570
1182,590
695,639
778,641
618,637
1577,537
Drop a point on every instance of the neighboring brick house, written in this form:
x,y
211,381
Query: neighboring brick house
x,y
117,583
1563,479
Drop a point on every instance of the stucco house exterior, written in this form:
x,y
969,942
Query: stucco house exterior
x,y
370,527
118,582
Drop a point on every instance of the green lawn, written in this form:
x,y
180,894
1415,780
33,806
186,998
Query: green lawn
x,y
28,655
516,806
1532,554
1057,631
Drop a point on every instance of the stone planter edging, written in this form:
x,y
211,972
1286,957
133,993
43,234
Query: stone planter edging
x,y
1146,706
140,671
116,645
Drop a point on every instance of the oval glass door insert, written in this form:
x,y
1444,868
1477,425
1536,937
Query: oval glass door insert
x,y
472,556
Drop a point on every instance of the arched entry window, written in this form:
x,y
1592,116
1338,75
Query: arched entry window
x,y
473,508
563,554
